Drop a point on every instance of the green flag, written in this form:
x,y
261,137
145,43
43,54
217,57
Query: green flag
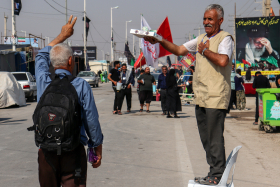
x,y
132,61
195,36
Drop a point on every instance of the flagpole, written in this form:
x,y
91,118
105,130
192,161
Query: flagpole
x,y
66,17
85,44
13,26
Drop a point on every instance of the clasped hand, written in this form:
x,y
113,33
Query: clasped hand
x,y
202,46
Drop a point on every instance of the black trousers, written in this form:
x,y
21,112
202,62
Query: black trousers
x,y
210,124
163,100
118,100
257,108
128,95
232,99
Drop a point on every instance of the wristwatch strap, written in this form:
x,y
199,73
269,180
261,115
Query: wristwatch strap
x,y
203,51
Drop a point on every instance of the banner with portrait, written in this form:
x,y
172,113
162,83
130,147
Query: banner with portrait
x,y
257,44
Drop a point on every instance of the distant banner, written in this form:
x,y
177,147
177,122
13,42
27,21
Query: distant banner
x,y
243,73
257,44
32,41
187,60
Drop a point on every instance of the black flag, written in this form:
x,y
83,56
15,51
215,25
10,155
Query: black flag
x,y
168,61
128,54
87,26
17,6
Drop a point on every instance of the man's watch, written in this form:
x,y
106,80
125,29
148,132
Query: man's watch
x,y
203,51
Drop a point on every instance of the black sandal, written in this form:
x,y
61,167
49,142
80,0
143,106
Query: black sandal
x,y
211,181
199,179
147,111
141,110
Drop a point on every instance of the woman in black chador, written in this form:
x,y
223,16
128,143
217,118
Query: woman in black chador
x,y
173,101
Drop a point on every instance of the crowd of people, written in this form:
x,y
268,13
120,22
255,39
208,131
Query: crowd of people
x,y
167,87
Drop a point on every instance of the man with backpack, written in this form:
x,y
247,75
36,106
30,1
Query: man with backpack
x,y
66,117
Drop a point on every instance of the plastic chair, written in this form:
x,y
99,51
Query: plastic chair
x,y
231,160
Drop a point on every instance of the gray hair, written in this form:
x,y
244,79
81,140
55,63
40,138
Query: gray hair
x,y
218,8
60,54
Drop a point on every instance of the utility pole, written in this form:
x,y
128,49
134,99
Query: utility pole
x,y
112,44
13,26
133,46
85,42
234,30
199,28
66,16
266,7
5,25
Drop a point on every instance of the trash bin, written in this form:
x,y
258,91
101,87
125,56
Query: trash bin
x,y
269,108
101,78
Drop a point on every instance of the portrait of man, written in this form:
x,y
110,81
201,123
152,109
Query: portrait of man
x,y
257,45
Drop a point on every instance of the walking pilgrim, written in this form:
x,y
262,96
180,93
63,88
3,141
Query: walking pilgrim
x,y
211,86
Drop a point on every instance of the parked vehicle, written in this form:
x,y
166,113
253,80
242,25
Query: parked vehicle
x,y
11,92
91,77
28,84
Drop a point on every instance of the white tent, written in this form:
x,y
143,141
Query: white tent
x,y
11,92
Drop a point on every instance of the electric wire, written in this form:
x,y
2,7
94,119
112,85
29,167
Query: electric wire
x,y
67,8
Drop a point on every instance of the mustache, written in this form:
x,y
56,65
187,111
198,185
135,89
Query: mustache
x,y
208,25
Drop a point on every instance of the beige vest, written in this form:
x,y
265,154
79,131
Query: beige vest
x,y
211,83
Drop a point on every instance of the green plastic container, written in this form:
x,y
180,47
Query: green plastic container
x,y
269,106
101,77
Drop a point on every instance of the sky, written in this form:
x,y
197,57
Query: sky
x,y
37,17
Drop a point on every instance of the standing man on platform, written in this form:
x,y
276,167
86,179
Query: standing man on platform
x,y
162,86
211,85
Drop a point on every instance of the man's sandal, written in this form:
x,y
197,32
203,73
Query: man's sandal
x,y
147,111
141,110
199,179
211,181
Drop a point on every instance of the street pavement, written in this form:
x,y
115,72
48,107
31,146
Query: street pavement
x,y
145,149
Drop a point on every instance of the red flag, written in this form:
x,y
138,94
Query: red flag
x,y
246,62
141,59
165,31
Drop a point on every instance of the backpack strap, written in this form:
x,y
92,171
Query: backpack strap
x,y
54,76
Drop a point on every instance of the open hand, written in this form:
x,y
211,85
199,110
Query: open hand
x,y
152,40
202,46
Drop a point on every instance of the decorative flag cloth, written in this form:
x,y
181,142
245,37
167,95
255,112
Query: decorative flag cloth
x,y
140,61
150,51
187,60
132,62
87,26
164,31
18,7
128,54
271,12
21,40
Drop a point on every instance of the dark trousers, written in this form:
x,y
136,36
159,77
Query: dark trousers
x,y
232,99
56,171
257,108
128,95
210,124
163,100
117,101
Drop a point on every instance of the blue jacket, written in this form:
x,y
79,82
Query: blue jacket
x,y
90,131
238,82
162,81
